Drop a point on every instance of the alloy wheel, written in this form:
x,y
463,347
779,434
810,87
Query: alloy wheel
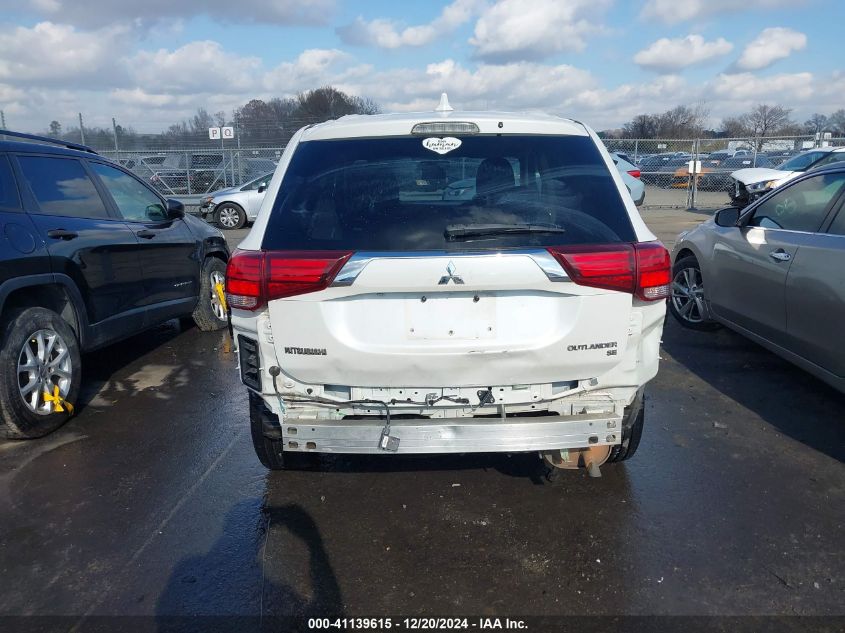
x,y
43,365
688,295
218,287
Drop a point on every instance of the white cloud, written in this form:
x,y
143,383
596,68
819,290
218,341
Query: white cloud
x,y
513,30
771,45
669,55
787,88
385,33
58,54
674,11
197,67
514,86
98,13
311,69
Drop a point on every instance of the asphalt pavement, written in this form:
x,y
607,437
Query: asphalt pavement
x,y
151,502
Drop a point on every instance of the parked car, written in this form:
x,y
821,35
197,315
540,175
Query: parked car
x,y
624,157
719,178
747,185
90,255
772,272
232,208
781,156
631,177
663,174
655,169
372,316
189,173
715,159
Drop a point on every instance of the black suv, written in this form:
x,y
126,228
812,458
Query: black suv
x,y
89,254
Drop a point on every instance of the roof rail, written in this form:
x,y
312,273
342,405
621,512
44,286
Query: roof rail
x,y
47,139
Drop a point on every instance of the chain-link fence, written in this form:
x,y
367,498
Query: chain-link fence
x,y
664,164
189,166
188,173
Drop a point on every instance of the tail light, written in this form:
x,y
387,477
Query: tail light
x,y
255,277
636,173
642,269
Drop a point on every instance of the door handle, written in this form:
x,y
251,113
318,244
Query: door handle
x,y
147,235
780,255
61,234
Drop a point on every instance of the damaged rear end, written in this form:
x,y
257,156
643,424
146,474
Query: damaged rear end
x,y
380,315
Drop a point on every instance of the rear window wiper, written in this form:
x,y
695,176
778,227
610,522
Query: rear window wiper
x,y
459,231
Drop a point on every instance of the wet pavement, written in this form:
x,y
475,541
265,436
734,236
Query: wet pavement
x,y
151,502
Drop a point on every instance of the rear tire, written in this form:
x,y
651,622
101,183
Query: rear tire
x,y
687,295
210,314
39,351
270,452
632,430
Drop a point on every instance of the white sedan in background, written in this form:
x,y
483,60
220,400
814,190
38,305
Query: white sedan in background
x,y
631,177
232,208
749,184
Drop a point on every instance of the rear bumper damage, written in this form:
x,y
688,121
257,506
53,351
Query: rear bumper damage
x,y
452,435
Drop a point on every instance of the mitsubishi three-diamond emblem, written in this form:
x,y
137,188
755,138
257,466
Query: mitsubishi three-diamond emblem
x,y
450,276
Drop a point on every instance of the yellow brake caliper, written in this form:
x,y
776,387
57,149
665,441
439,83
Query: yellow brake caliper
x,y
60,405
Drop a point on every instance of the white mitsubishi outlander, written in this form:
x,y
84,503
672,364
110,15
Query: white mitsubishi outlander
x,y
378,308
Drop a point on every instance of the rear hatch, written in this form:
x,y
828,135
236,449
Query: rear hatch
x,y
376,275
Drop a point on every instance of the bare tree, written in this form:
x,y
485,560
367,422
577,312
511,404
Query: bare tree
x,y
55,129
680,122
816,124
641,126
765,120
734,126
836,122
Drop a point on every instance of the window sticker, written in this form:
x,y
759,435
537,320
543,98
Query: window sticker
x,y
442,145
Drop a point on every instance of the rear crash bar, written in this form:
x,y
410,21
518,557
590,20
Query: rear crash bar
x,y
453,435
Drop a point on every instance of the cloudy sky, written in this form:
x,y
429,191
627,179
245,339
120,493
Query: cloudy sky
x,y
153,62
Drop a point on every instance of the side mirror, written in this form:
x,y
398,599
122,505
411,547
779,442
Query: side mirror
x,y
262,187
727,217
175,209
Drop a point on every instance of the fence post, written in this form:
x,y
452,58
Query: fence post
x,y
116,146
188,171
692,186
81,129
636,148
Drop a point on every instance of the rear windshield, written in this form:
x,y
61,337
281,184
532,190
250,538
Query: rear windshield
x,y
395,194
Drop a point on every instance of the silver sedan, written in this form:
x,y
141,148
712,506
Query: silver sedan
x,y
232,208
773,272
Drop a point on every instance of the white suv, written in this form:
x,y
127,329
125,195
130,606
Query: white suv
x,y
375,314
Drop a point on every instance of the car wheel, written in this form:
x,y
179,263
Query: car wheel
x,y
632,430
211,312
230,216
270,452
686,302
40,371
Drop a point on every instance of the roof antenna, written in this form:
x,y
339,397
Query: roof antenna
x,y
444,106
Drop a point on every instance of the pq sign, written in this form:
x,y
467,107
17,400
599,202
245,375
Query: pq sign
x,y
216,133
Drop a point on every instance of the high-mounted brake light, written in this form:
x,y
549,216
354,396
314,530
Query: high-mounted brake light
x,y
444,127
636,173
641,269
255,277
